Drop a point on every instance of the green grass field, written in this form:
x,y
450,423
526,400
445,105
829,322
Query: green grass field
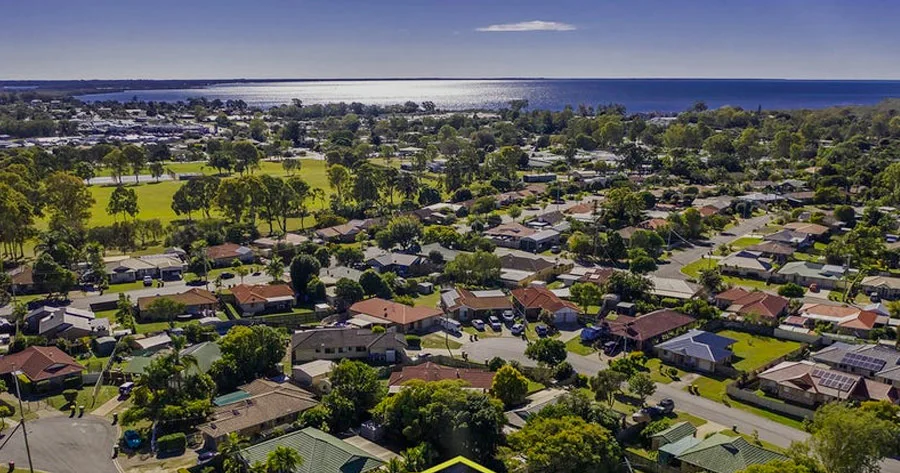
x,y
752,351
440,341
575,346
744,242
653,365
693,270
85,398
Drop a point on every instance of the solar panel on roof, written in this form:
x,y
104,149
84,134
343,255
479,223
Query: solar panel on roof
x,y
863,361
837,381
817,373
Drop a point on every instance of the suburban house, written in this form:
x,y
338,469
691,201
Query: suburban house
x,y
814,230
641,333
447,254
773,250
720,453
288,240
547,220
389,313
32,320
697,350
345,232
122,270
529,302
845,319
46,367
464,305
885,287
747,263
22,280
509,235
878,362
223,255
598,276
322,452
312,374
807,383
335,343
480,380
169,267
673,288
806,273
518,270
263,298
752,303
63,324
400,263
196,302
672,434
790,237
260,407
330,276
541,241
145,345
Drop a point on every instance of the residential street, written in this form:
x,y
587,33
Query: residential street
x,y
681,258
60,444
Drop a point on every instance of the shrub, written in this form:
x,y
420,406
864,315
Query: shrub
x,y
563,371
496,363
70,395
172,443
654,428
414,341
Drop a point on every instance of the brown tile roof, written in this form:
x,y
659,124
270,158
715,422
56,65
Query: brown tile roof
x,y
191,297
808,228
807,376
393,311
654,223
708,210
481,379
733,294
865,320
249,294
225,250
512,229
542,298
753,302
22,275
597,275
585,208
650,325
268,401
773,247
468,299
40,363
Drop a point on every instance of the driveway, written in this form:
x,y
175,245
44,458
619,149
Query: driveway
x,y
679,259
63,445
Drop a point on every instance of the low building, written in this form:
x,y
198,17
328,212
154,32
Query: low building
x,y
129,270
773,250
447,254
878,362
61,324
268,405
642,333
806,274
33,319
223,255
322,453
509,235
885,287
673,288
346,232
263,298
540,241
480,380
790,237
196,301
529,302
814,230
765,306
389,313
151,344
312,374
330,276
747,263
21,280
464,305
400,263
539,268
169,267
335,343
806,383
697,350
47,368
845,319
721,453
288,240
672,434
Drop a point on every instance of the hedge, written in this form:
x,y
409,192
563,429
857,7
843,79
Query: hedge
x,y
172,443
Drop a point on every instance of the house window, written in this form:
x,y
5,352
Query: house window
x,y
360,349
329,350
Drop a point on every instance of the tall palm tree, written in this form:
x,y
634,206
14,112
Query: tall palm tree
x,y
275,268
283,460
228,448
395,465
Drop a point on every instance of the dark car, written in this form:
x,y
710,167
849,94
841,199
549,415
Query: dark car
x,y
666,406
227,275
205,457
555,249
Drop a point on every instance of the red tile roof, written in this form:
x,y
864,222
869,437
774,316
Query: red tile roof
x,y
225,250
192,297
754,302
597,275
247,294
541,298
40,363
732,294
481,379
468,299
393,311
650,325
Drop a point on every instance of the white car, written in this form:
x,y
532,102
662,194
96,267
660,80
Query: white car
x,y
509,317
517,329
478,324
495,323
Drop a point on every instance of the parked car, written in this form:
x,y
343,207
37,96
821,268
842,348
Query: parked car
x,y
517,329
555,249
132,439
666,406
610,348
125,388
205,456
542,330
495,323
148,281
509,317
226,275
478,324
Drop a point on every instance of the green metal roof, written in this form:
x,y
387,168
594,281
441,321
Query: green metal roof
x,y
138,364
229,398
321,452
723,454
205,353
677,432
458,464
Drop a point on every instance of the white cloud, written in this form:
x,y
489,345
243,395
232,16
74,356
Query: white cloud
x,y
535,25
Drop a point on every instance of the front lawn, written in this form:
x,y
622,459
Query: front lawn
x,y
744,242
685,417
85,398
653,367
753,351
575,346
440,340
534,386
693,269
427,300
711,388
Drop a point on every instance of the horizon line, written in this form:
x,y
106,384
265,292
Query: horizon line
x,y
424,78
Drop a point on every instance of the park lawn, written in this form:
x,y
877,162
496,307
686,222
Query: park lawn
x,y
653,365
693,269
85,398
744,242
575,346
439,341
753,351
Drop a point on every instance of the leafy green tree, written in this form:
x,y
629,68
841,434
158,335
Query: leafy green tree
x,y
586,294
849,440
117,164
246,156
68,201
580,244
403,231
303,268
136,158
123,200
358,383
628,285
163,308
275,268
283,459
478,269
547,351
606,385
52,277
642,386
792,290
564,445
509,386
247,353
348,255
373,284
340,180
349,290
711,280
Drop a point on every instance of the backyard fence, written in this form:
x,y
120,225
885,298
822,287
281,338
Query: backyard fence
x,y
750,397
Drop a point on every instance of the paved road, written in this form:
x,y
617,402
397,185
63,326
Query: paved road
x,y
681,258
63,445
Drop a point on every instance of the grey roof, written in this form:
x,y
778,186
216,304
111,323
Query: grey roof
x,y
812,270
340,272
396,259
677,432
699,344
680,445
447,253
342,337
316,367
835,355
522,263
787,236
323,453
543,235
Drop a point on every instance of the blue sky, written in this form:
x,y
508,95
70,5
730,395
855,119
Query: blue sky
x,y
112,39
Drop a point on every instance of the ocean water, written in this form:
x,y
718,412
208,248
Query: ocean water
x,y
638,95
